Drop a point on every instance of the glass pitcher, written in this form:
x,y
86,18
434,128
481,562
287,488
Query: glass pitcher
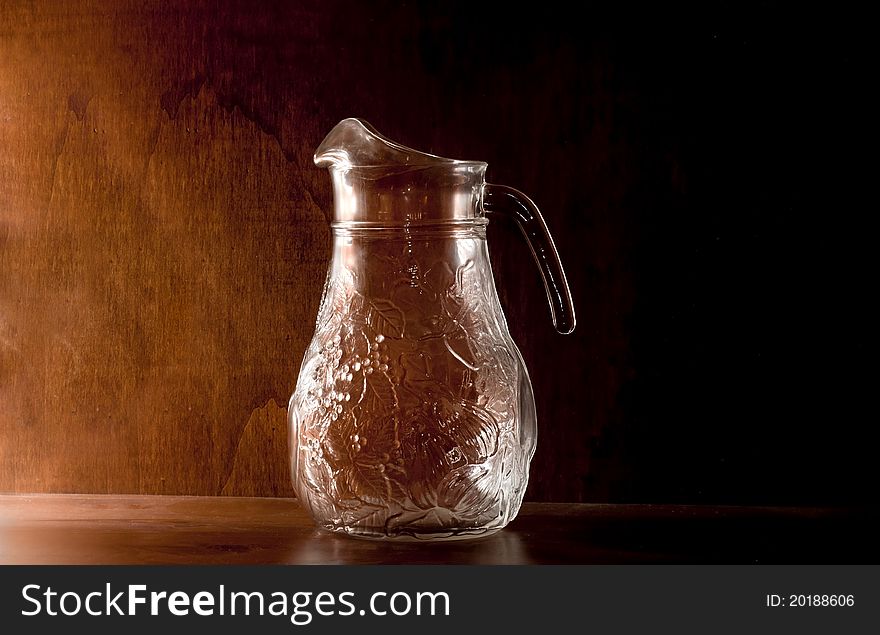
x,y
413,416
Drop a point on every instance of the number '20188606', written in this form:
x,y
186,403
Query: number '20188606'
x,y
810,600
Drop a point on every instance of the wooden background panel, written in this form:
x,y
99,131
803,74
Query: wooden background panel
x,y
163,242
162,260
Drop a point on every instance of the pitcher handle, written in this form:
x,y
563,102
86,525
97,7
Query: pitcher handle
x,y
508,202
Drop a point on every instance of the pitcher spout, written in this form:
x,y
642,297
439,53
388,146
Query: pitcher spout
x,y
354,143
377,180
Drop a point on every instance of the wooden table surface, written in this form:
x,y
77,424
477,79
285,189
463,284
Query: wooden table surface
x,y
80,529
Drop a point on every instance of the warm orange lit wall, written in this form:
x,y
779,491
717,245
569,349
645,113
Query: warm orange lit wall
x,y
163,243
163,238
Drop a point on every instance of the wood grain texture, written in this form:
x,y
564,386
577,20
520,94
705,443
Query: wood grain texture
x,y
162,261
163,240
58,529
164,243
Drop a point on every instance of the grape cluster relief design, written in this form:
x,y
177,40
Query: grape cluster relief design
x,y
405,414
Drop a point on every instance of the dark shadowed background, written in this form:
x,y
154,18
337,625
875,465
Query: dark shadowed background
x,y
163,239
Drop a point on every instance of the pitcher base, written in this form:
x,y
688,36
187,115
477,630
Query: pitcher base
x,y
421,535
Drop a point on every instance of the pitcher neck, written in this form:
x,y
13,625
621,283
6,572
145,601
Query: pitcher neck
x,y
425,260
419,194
418,234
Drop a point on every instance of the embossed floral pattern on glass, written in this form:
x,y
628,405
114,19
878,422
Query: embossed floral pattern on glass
x,y
413,415
407,403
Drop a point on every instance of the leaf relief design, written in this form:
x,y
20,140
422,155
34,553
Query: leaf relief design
x,y
407,403
386,318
